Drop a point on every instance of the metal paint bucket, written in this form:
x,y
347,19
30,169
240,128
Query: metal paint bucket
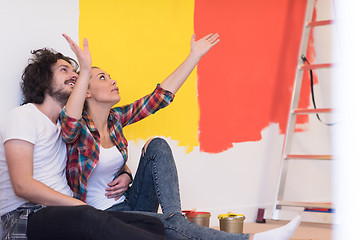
x,y
200,218
231,222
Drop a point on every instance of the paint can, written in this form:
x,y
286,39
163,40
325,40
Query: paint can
x,y
200,218
231,222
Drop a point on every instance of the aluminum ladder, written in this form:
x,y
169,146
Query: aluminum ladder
x,y
277,212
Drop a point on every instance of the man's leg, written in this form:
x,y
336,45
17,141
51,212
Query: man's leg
x,y
85,222
145,222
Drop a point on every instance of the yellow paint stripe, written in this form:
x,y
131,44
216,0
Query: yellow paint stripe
x,y
140,43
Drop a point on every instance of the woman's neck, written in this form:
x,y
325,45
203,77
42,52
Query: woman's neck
x,y
99,115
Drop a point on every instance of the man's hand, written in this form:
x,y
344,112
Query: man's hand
x,y
118,187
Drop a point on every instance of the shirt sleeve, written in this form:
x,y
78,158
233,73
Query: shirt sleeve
x,y
70,127
145,106
21,125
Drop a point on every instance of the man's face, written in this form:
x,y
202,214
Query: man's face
x,y
63,81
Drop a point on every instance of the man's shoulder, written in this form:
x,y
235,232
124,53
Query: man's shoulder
x,y
25,113
20,123
28,108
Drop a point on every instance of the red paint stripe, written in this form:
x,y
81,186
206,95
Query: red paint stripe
x,y
245,83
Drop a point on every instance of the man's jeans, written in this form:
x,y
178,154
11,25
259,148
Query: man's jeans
x,y
156,182
85,222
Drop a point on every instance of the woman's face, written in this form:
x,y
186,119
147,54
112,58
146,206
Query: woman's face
x,y
102,88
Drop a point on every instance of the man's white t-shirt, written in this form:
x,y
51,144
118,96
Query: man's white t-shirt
x,y
28,123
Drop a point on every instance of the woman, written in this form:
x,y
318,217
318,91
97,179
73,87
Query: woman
x,y
97,148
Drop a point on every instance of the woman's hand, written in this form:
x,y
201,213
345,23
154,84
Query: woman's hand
x,y
75,103
83,56
203,45
118,187
198,49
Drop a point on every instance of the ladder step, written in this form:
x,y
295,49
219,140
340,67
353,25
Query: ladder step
x,y
308,111
310,157
306,216
319,23
315,66
305,204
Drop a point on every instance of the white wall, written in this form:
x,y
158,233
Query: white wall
x,y
29,25
239,180
346,135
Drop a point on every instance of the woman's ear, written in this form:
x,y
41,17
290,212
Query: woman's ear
x,y
88,95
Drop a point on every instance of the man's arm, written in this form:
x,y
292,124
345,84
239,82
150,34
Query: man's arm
x,y
19,158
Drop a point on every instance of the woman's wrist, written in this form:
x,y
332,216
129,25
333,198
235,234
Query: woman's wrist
x,y
195,56
129,174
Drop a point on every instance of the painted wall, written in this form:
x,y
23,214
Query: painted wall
x,y
226,124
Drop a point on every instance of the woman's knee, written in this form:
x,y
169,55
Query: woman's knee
x,y
157,142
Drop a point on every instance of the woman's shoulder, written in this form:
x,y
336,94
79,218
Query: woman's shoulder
x,y
116,113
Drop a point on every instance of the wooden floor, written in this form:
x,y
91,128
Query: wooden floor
x,y
306,231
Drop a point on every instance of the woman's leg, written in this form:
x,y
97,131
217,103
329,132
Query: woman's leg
x,y
156,180
84,222
178,227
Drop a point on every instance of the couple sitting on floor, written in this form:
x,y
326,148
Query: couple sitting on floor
x,y
63,172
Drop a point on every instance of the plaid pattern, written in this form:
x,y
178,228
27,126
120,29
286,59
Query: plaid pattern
x,y
83,139
15,222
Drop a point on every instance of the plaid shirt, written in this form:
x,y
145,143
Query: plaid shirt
x,y
83,139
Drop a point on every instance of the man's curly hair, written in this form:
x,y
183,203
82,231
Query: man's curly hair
x,y
37,76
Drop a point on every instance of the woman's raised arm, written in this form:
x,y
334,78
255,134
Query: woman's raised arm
x,y
198,49
75,103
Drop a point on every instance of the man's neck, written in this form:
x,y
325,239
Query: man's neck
x,y
51,108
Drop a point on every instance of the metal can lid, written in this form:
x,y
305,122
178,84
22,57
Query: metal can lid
x,y
193,214
230,216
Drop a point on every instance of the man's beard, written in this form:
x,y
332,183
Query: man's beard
x,y
59,95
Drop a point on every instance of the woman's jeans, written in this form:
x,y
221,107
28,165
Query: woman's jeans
x,y
156,182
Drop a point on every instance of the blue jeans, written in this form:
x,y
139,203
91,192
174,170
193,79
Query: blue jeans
x,y
156,182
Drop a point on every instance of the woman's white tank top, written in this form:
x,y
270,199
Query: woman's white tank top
x,y
110,162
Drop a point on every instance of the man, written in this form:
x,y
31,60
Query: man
x,y
35,200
